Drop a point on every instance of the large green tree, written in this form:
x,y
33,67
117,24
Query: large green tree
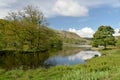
x,y
104,36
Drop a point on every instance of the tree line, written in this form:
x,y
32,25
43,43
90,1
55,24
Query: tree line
x,y
27,30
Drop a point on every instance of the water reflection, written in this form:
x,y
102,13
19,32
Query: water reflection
x,y
58,60
13,60
84,55
26,60
78,58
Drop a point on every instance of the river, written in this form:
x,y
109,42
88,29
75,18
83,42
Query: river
x,y
68,56
76,58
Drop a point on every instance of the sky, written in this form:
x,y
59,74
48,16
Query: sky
x,y
79,16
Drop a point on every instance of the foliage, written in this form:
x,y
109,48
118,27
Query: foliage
x,y
21,31
118,40
104,36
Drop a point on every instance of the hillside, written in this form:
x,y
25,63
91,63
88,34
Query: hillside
x,y
27,37
72,38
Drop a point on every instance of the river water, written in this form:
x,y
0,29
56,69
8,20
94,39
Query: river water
x,y
77,58
15,60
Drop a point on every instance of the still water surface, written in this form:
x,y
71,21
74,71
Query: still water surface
x,y
14,60
77,58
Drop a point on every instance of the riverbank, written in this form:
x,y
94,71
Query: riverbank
x,y
106,67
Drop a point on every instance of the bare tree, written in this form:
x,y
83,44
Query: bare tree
x,y
29,14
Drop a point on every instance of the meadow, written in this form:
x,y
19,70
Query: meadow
x,y
106,67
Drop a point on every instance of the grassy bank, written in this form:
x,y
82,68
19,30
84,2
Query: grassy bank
x,y
106,67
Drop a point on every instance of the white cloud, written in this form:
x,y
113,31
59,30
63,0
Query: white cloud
x,y
6,3
98,3
3,12
116,32
5,7
84,32
70,8
88,32
58,7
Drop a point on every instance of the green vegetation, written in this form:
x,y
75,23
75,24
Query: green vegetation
x,y
26,31
106,67
104,36
118,41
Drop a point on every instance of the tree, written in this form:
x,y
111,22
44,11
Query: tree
x,y
118,40
29,14
25,25
3,24
104,36
27,31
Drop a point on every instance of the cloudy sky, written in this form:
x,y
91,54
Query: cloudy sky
x,y
80,16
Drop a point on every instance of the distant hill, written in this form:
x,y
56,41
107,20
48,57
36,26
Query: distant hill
x,y
72,38
88,38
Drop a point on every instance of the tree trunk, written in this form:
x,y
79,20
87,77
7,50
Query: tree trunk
x,y
105,45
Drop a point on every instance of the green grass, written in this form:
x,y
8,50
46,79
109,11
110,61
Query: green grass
x,y
106,67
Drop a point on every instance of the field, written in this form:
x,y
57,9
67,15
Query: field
x,y
106,67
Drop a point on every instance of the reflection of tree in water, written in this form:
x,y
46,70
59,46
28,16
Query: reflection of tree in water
x,y
12,60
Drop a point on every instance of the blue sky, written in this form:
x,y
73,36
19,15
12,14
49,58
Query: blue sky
x,y
79,16
97,16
